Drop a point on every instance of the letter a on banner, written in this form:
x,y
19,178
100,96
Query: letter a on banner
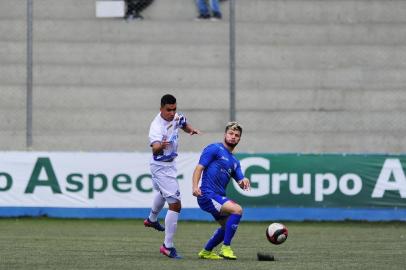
x,y
51,181
384,183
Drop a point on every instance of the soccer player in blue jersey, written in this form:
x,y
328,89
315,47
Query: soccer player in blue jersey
x,y
217,165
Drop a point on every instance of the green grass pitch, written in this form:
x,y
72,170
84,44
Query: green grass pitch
x,y
43,243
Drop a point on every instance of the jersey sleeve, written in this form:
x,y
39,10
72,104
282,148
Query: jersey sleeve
x,y
182,121
155,133
208,155
238,175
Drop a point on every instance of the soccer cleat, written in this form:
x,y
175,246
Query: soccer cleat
x,y
227,253
209,255
155,225
169,252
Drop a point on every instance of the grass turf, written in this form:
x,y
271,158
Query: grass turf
x,y
43,243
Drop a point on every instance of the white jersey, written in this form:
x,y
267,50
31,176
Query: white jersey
x,y
160,130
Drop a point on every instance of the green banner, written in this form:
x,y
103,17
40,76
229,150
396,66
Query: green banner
x,y
322,180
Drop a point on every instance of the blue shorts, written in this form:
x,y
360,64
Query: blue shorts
x,y
212,204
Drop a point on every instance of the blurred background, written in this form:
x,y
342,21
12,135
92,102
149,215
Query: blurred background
x,y
311,76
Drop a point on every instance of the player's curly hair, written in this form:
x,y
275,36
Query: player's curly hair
x,y
233,126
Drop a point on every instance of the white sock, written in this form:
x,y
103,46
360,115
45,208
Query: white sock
x,y
157,205
171,223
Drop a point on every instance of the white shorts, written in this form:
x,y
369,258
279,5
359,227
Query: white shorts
x,y
164,181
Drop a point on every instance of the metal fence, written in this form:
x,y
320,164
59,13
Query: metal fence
x,y
301,76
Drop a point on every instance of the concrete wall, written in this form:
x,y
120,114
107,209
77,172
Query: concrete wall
x,y
312,75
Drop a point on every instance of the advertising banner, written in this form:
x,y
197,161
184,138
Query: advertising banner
x,y
333,180
290,186
116,180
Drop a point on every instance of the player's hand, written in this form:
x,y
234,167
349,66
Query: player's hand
x,y
195,131
245,184
197,192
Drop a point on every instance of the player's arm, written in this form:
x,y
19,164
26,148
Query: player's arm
x,y
186,127
197,174
189,129
158,147
157,140
244,182
208,155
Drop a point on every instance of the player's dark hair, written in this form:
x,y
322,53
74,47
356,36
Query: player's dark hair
x,y
234,126
167,99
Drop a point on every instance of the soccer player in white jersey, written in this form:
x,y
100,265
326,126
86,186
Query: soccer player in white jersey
x,y
163,138
217,165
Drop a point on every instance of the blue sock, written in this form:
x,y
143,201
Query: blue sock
x,y
216,239
231,228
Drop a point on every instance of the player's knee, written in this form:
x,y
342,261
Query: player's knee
x,y
175,206
237,209
240,211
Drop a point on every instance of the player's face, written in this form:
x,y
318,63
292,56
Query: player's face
x,y
168,111
232,137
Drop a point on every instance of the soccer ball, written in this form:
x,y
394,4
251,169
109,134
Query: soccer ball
x,y
277,233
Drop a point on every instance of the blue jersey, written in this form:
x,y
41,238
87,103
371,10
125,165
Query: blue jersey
x,y
220,165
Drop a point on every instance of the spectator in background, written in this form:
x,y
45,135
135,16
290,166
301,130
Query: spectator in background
x,y
208,9
134,8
